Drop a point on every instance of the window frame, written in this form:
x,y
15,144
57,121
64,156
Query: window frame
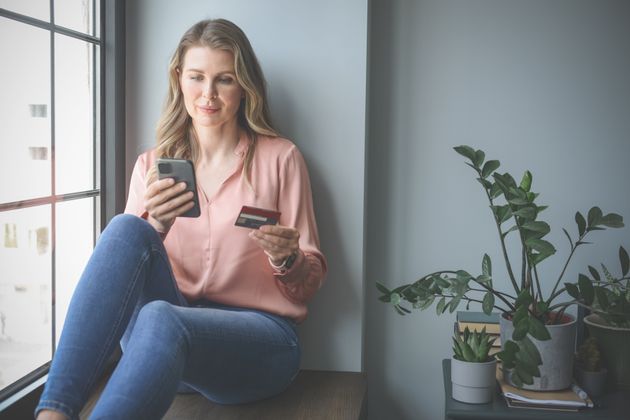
x,y
109,156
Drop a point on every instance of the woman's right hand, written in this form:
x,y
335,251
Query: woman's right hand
x,y
164,201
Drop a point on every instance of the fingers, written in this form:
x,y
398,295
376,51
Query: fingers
x,y
278,242
165,200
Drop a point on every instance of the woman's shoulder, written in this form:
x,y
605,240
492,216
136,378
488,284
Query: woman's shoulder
x,y
278,146
146,159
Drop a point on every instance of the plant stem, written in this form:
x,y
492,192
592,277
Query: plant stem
x,y
566,264
497,222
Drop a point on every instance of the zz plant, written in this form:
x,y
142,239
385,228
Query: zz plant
x,y
473,347
515,211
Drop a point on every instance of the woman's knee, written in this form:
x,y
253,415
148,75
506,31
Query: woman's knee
x,y
131,227
160,320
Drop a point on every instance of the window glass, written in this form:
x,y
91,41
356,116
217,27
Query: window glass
x,y
25,283
74,244
74,115
78,15
24,111
39,9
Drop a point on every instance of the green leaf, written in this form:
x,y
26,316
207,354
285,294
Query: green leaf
x,y
466,151
581,222
540,245
479,157
439,309
517,201
463,275
489,167
454,304
484,279
594,273
486,184
526,181
486,265
594,216
523,376
538,227
538,330
542,307
602,299
612,220
488,303
521,330
624,260
523,300
586,289
528,213
381,288
527,346
495,191
572,290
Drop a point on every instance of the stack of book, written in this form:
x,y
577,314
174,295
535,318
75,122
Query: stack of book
x,y
476,321
563,400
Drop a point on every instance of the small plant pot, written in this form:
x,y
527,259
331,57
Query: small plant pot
x,y
614,343
473,383
594,383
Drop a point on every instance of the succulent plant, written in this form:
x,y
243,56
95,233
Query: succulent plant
x,y
473,346
588,356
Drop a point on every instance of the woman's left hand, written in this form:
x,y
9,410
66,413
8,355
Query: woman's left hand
x,y
278,242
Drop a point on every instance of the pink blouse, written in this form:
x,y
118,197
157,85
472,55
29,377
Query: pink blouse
x,y
215,260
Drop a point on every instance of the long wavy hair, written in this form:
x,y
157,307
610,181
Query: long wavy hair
x,y
175,134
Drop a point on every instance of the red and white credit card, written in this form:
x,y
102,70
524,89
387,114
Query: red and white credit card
x,y
254,218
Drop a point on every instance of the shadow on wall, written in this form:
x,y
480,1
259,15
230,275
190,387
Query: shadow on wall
x,y
337,300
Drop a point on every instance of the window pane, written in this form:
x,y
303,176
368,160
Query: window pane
x,y
74,115
25,292
74,243
79,15
24,112
39,9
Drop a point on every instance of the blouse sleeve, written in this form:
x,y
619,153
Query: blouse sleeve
x,y
295,203
137,188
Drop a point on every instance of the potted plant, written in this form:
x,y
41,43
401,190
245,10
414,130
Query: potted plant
x,y
589,371
473,370
608,299
529,316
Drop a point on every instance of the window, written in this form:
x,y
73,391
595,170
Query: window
x,y
51,113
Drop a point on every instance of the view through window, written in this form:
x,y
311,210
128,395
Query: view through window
x,y
49,172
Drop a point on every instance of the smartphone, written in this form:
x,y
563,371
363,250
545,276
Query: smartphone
x,y
181,170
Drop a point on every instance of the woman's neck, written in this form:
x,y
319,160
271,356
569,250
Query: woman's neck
x,y
217,143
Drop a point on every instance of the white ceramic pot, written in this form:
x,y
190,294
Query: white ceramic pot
x,y
473,383
556,371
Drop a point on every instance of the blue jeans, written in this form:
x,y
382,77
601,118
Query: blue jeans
x,y
230,355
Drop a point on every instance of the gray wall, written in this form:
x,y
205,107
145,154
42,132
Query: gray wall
x,y
539,85
314,57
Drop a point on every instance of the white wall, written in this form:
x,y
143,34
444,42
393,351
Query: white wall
x,y
313,55
539,85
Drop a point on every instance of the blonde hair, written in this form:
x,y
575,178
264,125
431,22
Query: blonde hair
x,y
175,133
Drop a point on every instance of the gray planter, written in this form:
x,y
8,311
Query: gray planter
x,y
557,355
614,344
473,383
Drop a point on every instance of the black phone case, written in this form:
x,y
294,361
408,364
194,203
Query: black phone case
x,y
182,170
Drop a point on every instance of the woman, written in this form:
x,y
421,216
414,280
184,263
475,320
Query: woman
x,y
197,302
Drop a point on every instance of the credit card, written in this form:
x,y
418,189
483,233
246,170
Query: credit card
x,y
253,217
